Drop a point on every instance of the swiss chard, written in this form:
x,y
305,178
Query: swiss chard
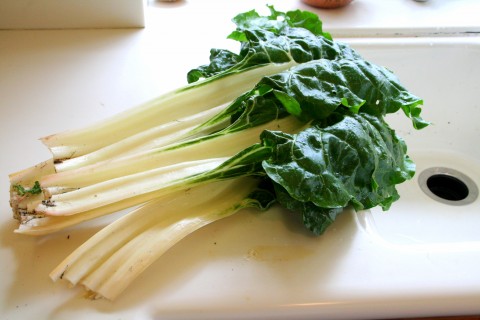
x,y
294,118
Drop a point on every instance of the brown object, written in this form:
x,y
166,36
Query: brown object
x,y
327,4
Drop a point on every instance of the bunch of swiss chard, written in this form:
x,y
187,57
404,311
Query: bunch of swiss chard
x,y
294,118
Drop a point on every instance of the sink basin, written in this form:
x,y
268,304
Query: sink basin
x,y
440,205
420,258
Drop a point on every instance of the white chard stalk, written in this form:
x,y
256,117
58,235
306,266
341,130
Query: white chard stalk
x,y
110,260
190,100
149,156
155,137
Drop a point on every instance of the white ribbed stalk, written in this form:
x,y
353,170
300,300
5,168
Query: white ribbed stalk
x,y
110,260
155,137
26,178
190,100
153,183
222,146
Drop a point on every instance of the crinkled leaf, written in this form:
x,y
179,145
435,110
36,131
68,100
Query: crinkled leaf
x,y
353,159
275,38
219,60
307,20
315,219
321,86
291,105
277,21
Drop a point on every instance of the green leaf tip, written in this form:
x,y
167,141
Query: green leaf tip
x,y
21,190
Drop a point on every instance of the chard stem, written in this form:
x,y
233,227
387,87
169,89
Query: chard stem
x,y
155,137
109,261
198,149
152,183
189,100
21,204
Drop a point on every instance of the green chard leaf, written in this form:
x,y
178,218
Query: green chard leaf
x,y
21,190
277,21
315,219
347,159
321,86
275,38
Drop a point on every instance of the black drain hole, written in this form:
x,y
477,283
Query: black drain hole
x,y
447,187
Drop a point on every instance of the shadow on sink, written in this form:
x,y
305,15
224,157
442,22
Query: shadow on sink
x,y
440,204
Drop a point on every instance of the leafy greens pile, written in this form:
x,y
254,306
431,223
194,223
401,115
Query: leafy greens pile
x,y
294,118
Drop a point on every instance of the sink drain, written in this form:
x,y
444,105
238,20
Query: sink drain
x,y
448,186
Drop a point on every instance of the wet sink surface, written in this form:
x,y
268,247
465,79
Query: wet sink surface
x,y
444,73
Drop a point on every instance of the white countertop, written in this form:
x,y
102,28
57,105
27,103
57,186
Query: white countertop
x,y
52,80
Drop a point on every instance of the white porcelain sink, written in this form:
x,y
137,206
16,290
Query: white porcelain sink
x,y
421,258
445,74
